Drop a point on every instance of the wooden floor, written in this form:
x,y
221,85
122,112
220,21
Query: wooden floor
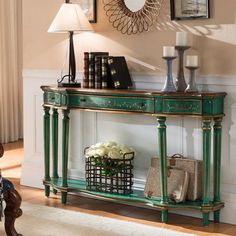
x,y
11,168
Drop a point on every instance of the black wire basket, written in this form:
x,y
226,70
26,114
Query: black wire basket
x,y
104,174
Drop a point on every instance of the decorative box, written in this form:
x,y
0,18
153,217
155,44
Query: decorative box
x,y
104,174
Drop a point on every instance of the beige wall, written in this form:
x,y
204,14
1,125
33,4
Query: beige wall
x,y
214,39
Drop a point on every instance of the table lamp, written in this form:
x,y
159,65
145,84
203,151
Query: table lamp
x,y
69,19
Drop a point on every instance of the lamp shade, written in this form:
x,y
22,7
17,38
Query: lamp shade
x,y
70,17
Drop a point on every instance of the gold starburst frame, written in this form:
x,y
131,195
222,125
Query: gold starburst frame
x,y
128,22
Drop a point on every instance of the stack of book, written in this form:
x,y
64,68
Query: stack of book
x,y
102,71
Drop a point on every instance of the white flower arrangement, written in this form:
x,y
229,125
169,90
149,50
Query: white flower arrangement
x,y
110,150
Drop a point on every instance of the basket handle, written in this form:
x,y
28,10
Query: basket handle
x,y
174,157
85,150
177,155
128,153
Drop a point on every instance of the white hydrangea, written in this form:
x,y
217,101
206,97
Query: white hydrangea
x,y
90,152
101,151
109,149
110,144
115,154
99,145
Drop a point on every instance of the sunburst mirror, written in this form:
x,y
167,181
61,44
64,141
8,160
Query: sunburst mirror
x,y
132,16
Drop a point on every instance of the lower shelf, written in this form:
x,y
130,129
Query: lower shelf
x,y
137,198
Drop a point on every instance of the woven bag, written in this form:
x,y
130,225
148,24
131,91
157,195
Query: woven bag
x,y
194,168
177,183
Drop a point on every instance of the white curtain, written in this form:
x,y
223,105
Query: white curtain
x,y
10,71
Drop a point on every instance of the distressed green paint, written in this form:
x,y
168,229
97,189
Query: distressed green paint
x,y
217,157
158,105
199,104
46,125
205,105
185,106
55,142
164,216
136,197
218,105
63,197
205,217
113,103
161,132
213,105
206,130
53,98
64,99
65,142
217,163
217,216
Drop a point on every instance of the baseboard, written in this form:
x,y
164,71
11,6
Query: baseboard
x,y
26,175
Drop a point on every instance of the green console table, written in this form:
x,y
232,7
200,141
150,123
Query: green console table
x,y
206,105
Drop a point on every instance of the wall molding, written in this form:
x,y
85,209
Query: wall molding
x,y
202,79
222,80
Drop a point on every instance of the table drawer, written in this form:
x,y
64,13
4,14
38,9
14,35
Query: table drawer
x,y
53,98
112,103
183,106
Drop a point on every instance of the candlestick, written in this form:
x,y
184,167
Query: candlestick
x,y
192,87
180,80
181,38
192,61
169,84
168,51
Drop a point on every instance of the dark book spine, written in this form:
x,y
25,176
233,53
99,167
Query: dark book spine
x,y
119,72
86,70
91,70
98,72
114,73
104,73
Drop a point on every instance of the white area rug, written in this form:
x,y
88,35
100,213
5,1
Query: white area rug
x,y
40,220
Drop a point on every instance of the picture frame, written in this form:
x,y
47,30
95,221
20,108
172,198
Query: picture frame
x,y
89,7
189,9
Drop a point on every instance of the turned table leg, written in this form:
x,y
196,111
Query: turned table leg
x,y
161,132
217,164
12,211
65,142
206,128
47,150
55,145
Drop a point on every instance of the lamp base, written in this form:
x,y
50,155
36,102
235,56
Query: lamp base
x,y
67,85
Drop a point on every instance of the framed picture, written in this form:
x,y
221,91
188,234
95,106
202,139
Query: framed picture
x,y
89,7
189,9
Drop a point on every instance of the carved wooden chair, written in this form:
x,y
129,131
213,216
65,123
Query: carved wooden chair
x,y
13,202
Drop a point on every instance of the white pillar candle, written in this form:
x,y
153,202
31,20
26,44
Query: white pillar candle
x,y
168,51
181,38
192,61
